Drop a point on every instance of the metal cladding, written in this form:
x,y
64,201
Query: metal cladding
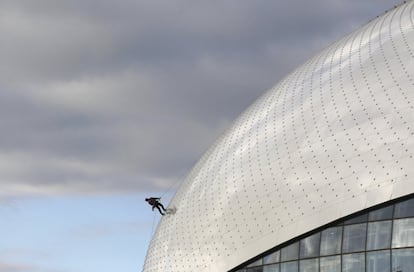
x,y
334,137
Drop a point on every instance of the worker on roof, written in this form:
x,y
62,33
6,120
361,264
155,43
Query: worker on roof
x,y
154,202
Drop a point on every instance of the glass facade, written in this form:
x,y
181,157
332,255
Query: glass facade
x,y
331,241
381,240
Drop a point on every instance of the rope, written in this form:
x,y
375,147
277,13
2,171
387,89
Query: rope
x,y
173,185
153,224
153,218
165,192
150,238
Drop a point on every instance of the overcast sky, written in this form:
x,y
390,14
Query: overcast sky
x,y
102,101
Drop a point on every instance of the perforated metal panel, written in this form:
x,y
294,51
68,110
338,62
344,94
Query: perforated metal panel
x,y
334,137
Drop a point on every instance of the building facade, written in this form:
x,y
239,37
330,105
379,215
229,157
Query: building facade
x,y
317,159
380,239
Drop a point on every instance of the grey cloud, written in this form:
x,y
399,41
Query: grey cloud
x,y
104,96
10,260
17,267
73,38
4,267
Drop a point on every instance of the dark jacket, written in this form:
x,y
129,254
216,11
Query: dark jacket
x,y
153,201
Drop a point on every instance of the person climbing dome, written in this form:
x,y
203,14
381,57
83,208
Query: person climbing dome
x,y
155,203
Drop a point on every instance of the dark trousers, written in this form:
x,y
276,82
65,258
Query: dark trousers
x,y
158,205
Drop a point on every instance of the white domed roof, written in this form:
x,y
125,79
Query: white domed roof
x,y
336,136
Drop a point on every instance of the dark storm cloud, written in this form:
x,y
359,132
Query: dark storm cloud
x,y
123,96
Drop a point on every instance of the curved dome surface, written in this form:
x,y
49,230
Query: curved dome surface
x,y
334,137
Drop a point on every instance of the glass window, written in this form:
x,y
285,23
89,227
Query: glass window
x,y
310,265
272,258
271,268
354,238
381,214
330,264
378,261
353,262
255,269
331,241
359,219
403,260
290,252
255,263
289,267
404,209
403,233
309,247
379,235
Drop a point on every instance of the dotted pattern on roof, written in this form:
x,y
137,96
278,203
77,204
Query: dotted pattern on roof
x,y
334,137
